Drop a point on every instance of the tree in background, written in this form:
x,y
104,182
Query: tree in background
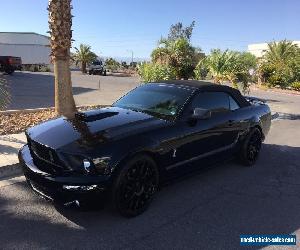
x,y
245,69
218,63
84,56
112,64
125,65
177,31
179,54
153,72
231,66
201,70
60,22
280,64
176,52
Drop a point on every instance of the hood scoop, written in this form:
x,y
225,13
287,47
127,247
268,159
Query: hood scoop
x,y
94,115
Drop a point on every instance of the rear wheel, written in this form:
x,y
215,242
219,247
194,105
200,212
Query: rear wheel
x,y
9,71
135,186
251,147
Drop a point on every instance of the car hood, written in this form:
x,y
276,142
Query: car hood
x,y
92,127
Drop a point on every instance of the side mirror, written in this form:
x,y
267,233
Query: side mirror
x,y
199,113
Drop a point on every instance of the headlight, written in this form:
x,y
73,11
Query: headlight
x,y
101,165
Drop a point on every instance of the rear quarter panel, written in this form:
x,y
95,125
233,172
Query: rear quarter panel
x,y
255,115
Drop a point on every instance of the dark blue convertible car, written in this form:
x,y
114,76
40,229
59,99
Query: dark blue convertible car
x,y
156,132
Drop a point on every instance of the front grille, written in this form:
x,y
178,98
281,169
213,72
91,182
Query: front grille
x,y
45,158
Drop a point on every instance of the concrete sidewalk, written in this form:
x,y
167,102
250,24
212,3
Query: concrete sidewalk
x,y
9,147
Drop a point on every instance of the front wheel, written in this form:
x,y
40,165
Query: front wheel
x,y
251,147
135,186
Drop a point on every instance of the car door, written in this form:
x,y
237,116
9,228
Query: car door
x,y
209,136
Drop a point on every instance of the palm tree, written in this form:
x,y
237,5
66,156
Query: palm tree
x,y
281,63
232,66
281,53
219,63
179,54
84,56
60,22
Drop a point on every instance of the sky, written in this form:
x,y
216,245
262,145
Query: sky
x,y
115,28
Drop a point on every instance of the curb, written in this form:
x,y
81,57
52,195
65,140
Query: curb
x,y
16,111
10,171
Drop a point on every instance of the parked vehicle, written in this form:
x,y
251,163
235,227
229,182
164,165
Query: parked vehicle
x,y
152,134
97,68
9,64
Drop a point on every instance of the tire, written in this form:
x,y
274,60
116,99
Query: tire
x,y
135,186
9,71
251,147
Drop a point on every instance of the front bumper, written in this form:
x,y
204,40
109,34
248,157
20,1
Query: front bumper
x,y
62,189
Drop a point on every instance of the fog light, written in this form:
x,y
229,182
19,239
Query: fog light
x,y
79,188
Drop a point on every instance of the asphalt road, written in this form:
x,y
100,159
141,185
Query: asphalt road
x,y
205,211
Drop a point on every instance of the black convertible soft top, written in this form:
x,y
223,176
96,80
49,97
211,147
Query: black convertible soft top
x,y
208,86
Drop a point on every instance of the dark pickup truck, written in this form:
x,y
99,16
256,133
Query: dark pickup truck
x,y
9,64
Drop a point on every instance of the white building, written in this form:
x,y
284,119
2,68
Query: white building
x,y
33,48
258,49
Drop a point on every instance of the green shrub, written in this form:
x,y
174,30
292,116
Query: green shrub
x,y
280,65
36,68
296,85
153,72
201,70
44,69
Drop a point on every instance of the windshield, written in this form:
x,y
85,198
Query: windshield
x,y
156,99
97,63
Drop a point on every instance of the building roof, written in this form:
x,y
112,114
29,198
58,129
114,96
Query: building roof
x,y
28,33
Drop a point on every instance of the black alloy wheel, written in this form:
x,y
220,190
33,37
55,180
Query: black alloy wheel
x,y
135,186
251,147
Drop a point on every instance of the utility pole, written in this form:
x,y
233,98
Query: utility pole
x,y
131,51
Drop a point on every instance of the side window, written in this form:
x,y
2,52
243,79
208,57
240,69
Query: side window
x,y
214,101
233,104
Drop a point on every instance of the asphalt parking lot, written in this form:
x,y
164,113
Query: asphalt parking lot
x,y
208,210
36,90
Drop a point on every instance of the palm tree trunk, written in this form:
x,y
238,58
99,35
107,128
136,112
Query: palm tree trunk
x,y
60,22
83,67
64,101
